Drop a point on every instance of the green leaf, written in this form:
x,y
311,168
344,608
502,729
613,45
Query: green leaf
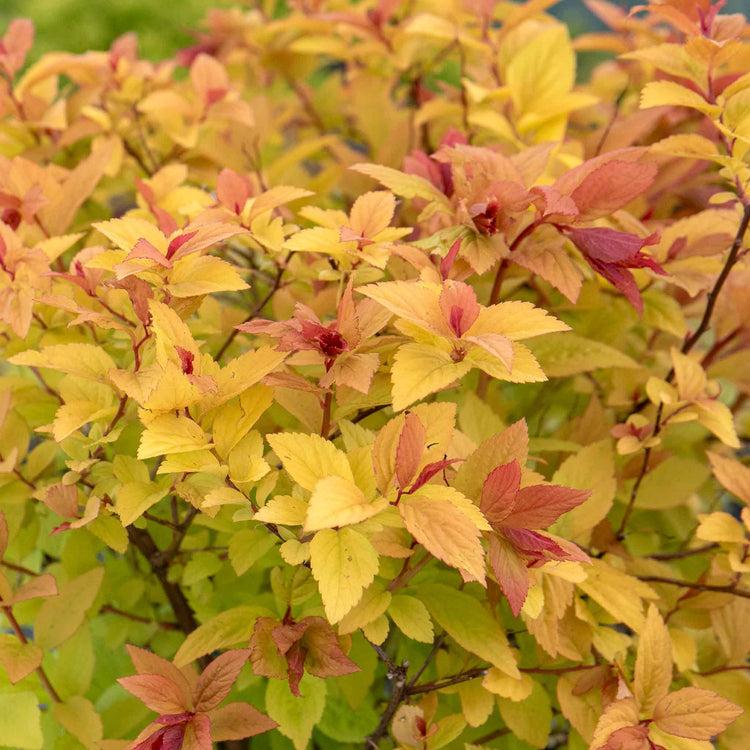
x,y
529,719
591,468
564,354
469,624
296,716
671,483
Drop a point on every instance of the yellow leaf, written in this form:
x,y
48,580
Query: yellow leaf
x,y
18,659
668,93
125,233
411,618
233,420
195,275
672,742
419,370
372,213
343,563
695,713
284,510
542,71
446,532
653,663
619,714
170,433
87,360
171,331
617,592
20,721
241,373
309,458
58,214
733,475
370,608
339,502
720,527
60,616
229,628
78,716
516,320
405,185
717,418
581,710
690,145
135,498
70,417
515,688
590,468
470,624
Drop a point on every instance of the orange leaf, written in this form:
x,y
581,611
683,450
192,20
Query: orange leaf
x,y
695,713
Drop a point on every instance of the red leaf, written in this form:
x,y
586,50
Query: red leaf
x,y
235,721
410,448
499,492
446,264
157,692
510,571
458,303
430,470
144,249
166,738
324,655
612,186
610,253
178,242
233,190
217,679
541,505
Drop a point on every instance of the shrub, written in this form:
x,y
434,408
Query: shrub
x,y
365,370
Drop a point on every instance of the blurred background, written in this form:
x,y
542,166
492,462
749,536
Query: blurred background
x,y
163,25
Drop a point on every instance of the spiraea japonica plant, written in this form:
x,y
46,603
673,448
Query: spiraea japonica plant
x,y
371,379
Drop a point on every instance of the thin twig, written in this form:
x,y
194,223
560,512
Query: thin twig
x,y
723,589
257,309
456,679
436,646
18,630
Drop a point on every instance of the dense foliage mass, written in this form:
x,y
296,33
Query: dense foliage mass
x,y
368,381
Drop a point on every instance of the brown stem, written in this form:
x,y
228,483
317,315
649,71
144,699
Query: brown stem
x,y
130,149
641,474
436,646
138,618
257,309
723,589
713,295
684,553
718,670
398,676
52,392
8,612
325,426
491,736
18,568
429,687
